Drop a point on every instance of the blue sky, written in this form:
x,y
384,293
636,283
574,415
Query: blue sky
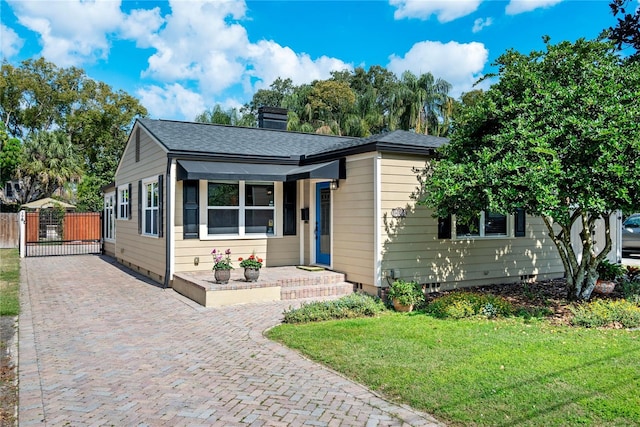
x,y
182,57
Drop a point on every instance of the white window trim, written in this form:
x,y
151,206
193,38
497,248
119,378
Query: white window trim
x,y
241,235
119,202
145,183
111,195
509,235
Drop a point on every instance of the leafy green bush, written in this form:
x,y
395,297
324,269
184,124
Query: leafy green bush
x,y
350,306
631,289
606,313
406,293
459,309
610,271
466,304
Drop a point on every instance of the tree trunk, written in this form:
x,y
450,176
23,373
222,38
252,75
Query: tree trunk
x,y
581,276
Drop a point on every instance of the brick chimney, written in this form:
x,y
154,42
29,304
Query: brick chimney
x,y
272,118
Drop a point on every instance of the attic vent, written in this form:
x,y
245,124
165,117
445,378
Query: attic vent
x,y
272,118
137,144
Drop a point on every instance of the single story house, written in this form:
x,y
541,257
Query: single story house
x,y
182,189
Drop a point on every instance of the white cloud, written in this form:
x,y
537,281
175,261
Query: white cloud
x,y
460,64
445,10
520,6
71,31
480,23
201,42
10,42
199,46
270,60
171,101
142,26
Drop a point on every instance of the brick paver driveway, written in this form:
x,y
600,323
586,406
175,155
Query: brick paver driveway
x,y
100,346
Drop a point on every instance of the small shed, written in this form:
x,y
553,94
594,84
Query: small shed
x,y
46,203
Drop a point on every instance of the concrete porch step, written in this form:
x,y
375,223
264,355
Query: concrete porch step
x,y
274,284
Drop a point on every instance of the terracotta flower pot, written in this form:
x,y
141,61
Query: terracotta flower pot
x,y
401,307
604,287
222,276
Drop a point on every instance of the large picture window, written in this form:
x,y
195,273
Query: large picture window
x,y
240,208
150,208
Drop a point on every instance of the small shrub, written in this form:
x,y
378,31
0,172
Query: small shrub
x,y
489,310
467,304
632,273
350,306
609,271
406,293
631,289
602,313
459,309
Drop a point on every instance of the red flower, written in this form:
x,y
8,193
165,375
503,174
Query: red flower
x,y
259,259
240,259
251,256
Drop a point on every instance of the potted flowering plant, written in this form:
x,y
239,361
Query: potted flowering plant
x,y
404,295
252,266
222,265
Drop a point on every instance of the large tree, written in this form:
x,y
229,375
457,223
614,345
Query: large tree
x,y
558,136
37,96
10,155
626,33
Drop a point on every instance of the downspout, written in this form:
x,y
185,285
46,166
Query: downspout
x,y
168,221
377,209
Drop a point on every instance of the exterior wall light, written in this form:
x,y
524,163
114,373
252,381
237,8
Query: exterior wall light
x,y
335,184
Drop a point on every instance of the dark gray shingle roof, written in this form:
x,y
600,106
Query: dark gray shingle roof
x,y
232,140
202,138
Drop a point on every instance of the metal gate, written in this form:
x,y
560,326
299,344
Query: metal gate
x,y
52,232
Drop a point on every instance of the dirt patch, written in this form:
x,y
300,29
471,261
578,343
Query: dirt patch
x,y
8,371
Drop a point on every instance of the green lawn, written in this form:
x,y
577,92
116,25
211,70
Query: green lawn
x,y
9,282
484,372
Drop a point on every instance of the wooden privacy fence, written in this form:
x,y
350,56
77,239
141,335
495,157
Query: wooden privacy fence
x,y
51,232
9,230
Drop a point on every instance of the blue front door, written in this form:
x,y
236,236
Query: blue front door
x,y
323,223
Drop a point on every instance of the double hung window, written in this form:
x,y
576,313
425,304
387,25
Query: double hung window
x,y
123,202
150,208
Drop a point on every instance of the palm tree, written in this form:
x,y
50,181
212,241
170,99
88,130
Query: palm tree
x,y
407,102
50,161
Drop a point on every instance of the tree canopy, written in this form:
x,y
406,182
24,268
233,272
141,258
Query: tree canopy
x,y
559,136
355,103
37,97
626,33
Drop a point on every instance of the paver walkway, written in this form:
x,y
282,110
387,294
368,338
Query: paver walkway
x,y
101,346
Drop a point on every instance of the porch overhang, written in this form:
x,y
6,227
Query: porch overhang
x,y
210,170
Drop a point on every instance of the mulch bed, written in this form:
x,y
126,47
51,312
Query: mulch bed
x,y
551,294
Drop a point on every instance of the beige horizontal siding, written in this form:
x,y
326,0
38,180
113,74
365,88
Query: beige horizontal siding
x,y
146,253
411,247
110,248
275,251
353,222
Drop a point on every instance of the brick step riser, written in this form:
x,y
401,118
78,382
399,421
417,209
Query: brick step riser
x,y
328,290
319,281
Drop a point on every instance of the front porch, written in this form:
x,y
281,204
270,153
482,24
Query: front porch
x,y
274,284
